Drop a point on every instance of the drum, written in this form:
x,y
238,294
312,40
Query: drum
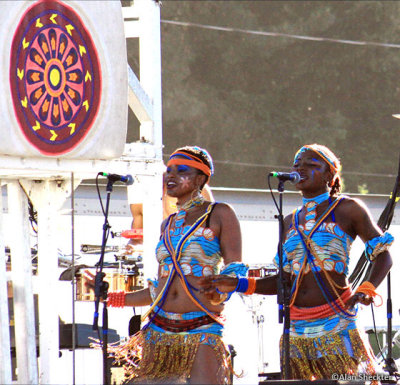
x,y
259,270
118,279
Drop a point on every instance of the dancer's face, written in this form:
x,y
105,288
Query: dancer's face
x,y
181,180
314,172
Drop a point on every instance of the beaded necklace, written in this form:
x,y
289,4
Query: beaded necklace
x,y
310,205
181,215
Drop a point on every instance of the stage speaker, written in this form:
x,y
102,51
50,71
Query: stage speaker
x,y
63,79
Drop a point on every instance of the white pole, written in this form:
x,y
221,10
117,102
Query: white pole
x,y
24,317
47,197
150,79
150,68
5,358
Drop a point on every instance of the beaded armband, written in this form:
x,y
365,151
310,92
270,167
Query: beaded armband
x,y
378,245
235,269
116,299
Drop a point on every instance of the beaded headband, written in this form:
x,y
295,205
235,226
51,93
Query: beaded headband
x,y
182,158
324,153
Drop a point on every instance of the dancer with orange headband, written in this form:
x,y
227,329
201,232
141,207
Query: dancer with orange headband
x,y
136,196
324,338
182,338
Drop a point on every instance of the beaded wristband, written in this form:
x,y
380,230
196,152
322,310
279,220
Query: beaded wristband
x,y
368,289
251,286
116,299
243,285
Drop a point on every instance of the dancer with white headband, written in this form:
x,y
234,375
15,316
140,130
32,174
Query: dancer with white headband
x,y
324,339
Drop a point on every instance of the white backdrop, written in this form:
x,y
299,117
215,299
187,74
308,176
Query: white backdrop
x,y
103,22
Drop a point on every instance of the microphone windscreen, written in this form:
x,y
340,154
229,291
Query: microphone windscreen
x,y
129,179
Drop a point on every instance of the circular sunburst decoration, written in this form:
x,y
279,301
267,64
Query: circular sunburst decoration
x,y
55,77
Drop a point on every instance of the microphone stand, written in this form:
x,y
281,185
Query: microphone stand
x,y
390,365
101,290
283,289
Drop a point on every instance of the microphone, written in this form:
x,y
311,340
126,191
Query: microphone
x,y
118,178
293,177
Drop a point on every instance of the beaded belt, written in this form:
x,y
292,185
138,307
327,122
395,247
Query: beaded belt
x,y
177,326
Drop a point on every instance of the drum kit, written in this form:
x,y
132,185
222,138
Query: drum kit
x,y
123,274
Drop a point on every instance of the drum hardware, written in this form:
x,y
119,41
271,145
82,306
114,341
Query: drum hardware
x,y
121,252
65,260
125,279
254,303
129,259
110,265
96,249
134,269
68,274
258,270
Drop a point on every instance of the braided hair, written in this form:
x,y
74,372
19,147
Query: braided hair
x,y
336,185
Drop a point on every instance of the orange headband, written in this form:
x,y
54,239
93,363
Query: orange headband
x,y
191,163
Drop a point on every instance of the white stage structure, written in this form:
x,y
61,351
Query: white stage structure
x,y
66,89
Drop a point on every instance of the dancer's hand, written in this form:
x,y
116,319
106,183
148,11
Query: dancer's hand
x,y
359,298
224,283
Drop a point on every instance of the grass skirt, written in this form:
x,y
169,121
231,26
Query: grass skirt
x,y
320,348
154,356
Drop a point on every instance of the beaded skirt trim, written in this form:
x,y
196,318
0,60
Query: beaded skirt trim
x,y
333,353
150,355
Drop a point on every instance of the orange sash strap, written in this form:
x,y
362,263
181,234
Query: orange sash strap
x,y
322,311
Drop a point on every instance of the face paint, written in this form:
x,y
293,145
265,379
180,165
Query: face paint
x,y
183,168
185,180
319,163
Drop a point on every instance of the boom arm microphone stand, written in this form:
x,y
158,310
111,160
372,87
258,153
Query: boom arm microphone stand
x,y
384,221
101,287
390,365
283,292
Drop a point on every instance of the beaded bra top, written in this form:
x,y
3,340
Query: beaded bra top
x,y
329,243
201,255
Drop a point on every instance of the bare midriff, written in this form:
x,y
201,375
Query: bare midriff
x,y
310,294
178,301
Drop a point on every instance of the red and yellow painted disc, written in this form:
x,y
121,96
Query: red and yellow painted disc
x,y
55,77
